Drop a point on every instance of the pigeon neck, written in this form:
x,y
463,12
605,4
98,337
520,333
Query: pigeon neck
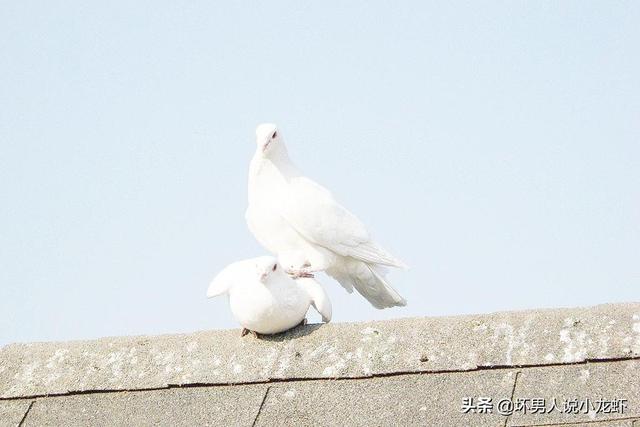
x,y
280,159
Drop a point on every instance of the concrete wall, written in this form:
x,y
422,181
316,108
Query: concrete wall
x,y
423,371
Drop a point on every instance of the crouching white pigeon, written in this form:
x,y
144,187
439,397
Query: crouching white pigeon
x,y
299,220
264,299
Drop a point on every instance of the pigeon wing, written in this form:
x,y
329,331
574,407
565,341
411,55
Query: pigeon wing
x,y
231,274
316,215
319,298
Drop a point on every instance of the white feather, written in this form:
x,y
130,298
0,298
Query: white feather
x,y
265,300
296,218
319,298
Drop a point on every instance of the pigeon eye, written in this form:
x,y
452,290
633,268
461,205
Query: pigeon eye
x,y
275,134
275,266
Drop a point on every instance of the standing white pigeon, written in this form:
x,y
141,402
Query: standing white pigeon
x,y
300,221
264,299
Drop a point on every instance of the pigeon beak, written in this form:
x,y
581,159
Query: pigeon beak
x,y
263,277
265,146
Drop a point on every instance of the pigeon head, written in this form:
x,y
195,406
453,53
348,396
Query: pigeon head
x,y
267,138
247,271
265,266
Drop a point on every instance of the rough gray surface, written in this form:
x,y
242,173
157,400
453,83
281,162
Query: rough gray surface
x,y
12,411
608,381
407,400
617,423
400,372
536,337
133,363
207,406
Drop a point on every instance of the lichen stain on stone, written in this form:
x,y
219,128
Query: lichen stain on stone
x,y
192,346
584,375
636,328
575,348
514,341
173,369
479,326
473,358
267,360
115,361
369,333
323,349
26,376
57,358
53,376
333,370
132,357
283,365
338,363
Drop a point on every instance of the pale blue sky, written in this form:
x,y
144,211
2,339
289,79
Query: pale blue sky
x,y
494,146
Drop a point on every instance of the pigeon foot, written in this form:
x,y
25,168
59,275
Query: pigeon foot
x,y
246,331
301,273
